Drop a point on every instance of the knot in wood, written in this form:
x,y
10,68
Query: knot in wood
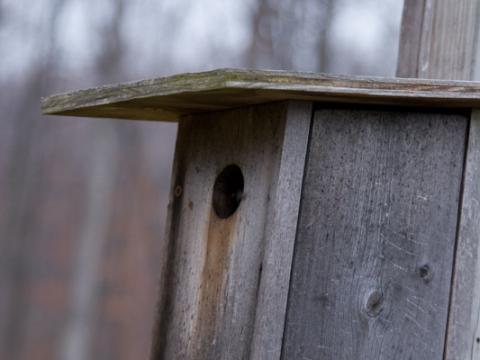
x,y
425,272
374,303
178,191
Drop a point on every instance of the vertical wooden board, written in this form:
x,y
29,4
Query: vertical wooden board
x,y
374,253
214,268
463,338
438,39
280,233
410,42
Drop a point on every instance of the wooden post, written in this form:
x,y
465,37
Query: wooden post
x,y
311,216
439,40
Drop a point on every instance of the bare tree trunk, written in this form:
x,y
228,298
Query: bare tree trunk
x,y
105,153
261,44
76,192
80,329
276,27
324,36
24,178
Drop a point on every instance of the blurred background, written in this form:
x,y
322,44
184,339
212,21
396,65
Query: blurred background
x,y
83,201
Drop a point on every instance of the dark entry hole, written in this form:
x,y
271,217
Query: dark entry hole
x,y
228,191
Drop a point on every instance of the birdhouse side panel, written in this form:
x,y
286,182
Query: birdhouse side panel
x,y
374,254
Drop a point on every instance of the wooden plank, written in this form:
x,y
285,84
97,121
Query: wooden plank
x,y
448,43
463,339
282,221
172,97
410,38
373,257
438,39
218,269
449,39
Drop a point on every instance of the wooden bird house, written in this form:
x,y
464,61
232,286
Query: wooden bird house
x,y
311,216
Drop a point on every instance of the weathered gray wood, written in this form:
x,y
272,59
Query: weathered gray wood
x,y
450,38
438,39
463,339
410,38
218,269
447,49
170,98
281,231
373,257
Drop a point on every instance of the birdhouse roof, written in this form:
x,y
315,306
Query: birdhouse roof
x,y
169,98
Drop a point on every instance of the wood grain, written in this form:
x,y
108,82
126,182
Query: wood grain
x,y
438,39
448,39
218,269
464,320
281,229
374,253
170,98
448,44
410,38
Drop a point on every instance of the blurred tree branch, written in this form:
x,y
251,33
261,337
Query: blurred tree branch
x,y
277,32
324,36
261,44
109,60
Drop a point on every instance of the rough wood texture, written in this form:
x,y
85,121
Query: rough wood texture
x,y
447,32
169,98
219,269
410,38
438,39
281,231
373,257
463,339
